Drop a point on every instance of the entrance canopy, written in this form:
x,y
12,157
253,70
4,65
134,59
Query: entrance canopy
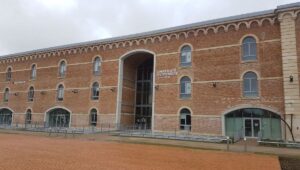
x,y
253,122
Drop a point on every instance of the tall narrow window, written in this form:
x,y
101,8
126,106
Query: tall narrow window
x,y
250,85
249,49
185,87
30,94
33,72
28,117
6,95
62,69
95,91
60,93
93,117
8,74
185,120
97,66
186,56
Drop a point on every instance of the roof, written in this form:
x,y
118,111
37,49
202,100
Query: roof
x,y
158,32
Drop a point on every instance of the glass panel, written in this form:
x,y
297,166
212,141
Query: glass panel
x,y
248,127
256,127
188,88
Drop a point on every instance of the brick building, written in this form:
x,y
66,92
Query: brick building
x,y
235,76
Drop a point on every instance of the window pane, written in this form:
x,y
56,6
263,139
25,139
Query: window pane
x,y
245,50
254,87
182,87
246,85
188,88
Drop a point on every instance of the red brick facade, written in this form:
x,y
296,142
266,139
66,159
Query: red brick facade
x,y
216,58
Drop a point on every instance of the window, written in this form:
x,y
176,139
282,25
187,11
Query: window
x,y
95,91
93,117
185,120
30,94
8,74
249,49
185,87
62,69
250,85
97,66
28,117
186,56
6,95
33,72
60,93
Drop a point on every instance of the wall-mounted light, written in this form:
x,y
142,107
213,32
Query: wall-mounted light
x,y
291,78
75,91
156,87
214,84
16,94
113,89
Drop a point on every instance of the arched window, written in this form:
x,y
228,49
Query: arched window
x,y
250,85
33,72
95,91
31,94
249,49
185,87
185,119
28,117
97,66
186,56
62,69
60,93
93,117
8,74
6,95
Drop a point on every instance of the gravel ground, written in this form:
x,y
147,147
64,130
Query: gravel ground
x,y
27,152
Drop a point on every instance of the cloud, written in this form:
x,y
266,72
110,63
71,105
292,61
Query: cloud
x,y
28,25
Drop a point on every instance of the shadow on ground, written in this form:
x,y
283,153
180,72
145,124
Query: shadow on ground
x,y
288,163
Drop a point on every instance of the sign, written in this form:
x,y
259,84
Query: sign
x,y
167,73
19,82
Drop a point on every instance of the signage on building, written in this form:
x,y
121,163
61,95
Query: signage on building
x,y
167,73
19,82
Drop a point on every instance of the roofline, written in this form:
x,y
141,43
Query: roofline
x,y
159,31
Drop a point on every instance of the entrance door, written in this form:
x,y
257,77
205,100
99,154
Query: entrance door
x,y
252,127
60,120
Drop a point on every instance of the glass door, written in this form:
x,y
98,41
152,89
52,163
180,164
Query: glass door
x,y
256,127
248,127
252,127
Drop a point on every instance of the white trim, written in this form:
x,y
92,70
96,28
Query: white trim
x,y
120,82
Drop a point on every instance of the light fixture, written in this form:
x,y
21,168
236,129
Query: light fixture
x,y
75,91
214,84
156,87
291,78
113,89
16,94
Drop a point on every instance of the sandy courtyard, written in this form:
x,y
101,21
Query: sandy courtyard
x,y
26,152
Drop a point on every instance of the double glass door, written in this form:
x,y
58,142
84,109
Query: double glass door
x,y
252,127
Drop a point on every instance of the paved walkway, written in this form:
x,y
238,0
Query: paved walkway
x,y
280,151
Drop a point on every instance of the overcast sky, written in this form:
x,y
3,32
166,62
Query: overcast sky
x,y
33,24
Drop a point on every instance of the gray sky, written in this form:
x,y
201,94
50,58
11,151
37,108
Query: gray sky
x,y
33,24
